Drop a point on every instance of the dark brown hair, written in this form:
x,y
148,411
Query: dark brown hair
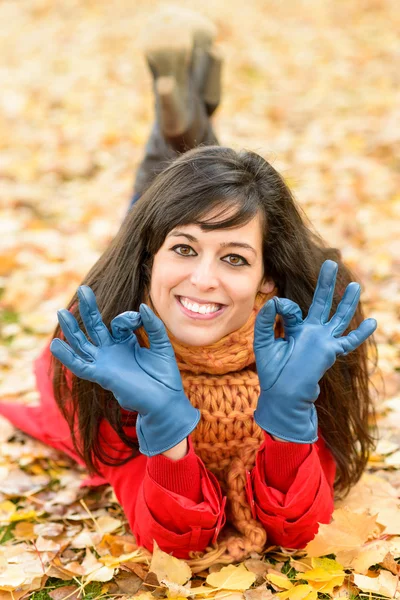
x,y
184,193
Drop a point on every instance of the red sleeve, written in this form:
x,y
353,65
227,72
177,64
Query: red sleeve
x,y
181,476
179,524
291,490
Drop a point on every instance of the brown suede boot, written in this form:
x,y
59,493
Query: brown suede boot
x,y
186,69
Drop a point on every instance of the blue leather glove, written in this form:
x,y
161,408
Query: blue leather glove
x,y
289,369
146,380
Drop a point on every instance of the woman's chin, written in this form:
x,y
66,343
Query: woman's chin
x,y
197,338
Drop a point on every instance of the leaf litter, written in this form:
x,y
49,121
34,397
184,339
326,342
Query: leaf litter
x,y
315,90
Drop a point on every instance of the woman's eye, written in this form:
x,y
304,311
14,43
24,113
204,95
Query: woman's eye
x,y
238,261
185,248
240,258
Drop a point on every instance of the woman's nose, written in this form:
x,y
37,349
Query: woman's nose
x,y
204,276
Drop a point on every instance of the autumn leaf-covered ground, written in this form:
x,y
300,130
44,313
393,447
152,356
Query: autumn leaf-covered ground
x,y
311,85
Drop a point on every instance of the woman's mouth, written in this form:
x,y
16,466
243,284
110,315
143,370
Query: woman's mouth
x,y
195,310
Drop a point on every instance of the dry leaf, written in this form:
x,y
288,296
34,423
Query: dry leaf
x,y
344,536
390,564
390,519
369,555
325,575
280,581
115,561
66,592
107,524
223,595
175,590
232,578
258,567
259,593
165,566
385,584
299,592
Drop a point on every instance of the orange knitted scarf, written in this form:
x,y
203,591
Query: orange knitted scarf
x,y
221,381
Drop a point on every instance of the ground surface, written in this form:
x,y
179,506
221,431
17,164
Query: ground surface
x,y
312,86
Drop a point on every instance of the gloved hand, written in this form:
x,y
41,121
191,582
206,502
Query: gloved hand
x,y
289,369
144,380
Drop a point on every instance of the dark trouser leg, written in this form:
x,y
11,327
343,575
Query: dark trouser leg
x,y
186,73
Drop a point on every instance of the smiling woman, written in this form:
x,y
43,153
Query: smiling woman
x,y
221,386
202,293
174,407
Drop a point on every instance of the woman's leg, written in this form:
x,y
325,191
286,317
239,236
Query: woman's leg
x,y
186,71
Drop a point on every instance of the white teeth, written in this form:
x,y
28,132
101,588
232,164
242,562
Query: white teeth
x,y
203,309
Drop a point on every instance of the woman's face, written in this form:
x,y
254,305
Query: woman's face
x,y
204,283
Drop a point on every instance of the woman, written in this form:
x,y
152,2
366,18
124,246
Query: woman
x,y
220,384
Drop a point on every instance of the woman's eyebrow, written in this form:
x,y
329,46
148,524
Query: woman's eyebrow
x,y
191,238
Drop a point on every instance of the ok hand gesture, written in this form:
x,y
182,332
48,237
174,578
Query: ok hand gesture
x,y
289,369
146,380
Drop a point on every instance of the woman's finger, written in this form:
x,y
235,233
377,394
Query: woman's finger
x,y
264,334
323,295
125,324
355,338
75,336
91,317
346,309
71,360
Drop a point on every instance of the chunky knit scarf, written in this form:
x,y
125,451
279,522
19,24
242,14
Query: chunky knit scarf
x,y
221,381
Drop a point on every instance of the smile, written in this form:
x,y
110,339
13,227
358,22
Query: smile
x,y
199,311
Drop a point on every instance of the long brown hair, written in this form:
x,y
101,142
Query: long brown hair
x,y
184,193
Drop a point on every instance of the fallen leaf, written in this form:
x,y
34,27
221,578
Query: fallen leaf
x,y
299,592
344,536
175,590
65,592
385,584
107,524
165,566
259,593
390,519
232,578
390,564
280,581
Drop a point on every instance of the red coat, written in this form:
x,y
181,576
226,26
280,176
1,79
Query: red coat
x,y
180,503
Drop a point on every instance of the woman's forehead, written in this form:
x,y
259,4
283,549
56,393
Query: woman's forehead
x,y
248,231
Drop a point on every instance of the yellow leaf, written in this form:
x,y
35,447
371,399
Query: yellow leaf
x,y
299,592
115,561
280,580
24,516
7,509
203,590
232,578
327,587
165,566
227,595
328,564
326,575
